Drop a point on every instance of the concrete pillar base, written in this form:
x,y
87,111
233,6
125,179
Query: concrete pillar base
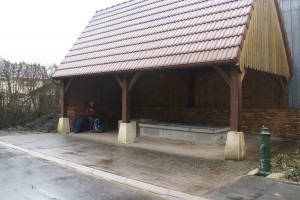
x,y
63,125
235,148
127,133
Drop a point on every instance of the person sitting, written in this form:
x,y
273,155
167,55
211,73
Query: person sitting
x,y
91,113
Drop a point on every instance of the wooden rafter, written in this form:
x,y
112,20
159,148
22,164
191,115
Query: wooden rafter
x,y
243,74
222,74
126,87
68,85
200,81
281,82
118,80
283,93
134,79
276,82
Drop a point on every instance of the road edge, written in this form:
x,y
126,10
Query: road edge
x,y
169,193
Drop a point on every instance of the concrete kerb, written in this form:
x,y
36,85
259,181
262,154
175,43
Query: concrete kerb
x,y
169,193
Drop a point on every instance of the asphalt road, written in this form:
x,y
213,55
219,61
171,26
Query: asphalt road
x,y
197,176
23,177
254,187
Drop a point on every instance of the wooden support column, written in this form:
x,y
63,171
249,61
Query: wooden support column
x,y
127,129
125,100
235,98
63,106
126,87
67,86
63,125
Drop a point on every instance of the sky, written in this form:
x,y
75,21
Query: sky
x,y
43,31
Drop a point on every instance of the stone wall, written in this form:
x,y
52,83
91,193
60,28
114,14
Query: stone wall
x,y
184,115
282,123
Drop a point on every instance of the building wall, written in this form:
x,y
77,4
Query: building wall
x,y
291,14
165,97
281,122
103,90
264,47
172,90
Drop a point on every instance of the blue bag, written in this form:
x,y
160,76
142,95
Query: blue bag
x,y
79,124
98,127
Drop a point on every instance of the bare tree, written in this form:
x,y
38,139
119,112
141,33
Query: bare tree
x,y
25,88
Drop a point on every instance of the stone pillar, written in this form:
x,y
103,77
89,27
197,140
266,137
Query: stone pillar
x,y
235,148
127,133
63,125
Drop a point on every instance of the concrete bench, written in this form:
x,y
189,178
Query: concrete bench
x,y
213,135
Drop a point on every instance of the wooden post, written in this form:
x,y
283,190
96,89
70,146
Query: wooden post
x,y
125,100
235,99
63,105
126,87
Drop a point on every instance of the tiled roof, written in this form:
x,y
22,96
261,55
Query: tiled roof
x,y
143,34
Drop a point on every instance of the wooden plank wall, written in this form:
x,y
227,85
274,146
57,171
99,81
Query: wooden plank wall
x,y
165,95
103,90
160,90
291,14
260,90
264,48
170,90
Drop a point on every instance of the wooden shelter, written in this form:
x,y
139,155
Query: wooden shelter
x,y
199,61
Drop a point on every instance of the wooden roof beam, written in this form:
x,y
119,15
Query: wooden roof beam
x,y
243,75
223,74
132,82
134,79
200,81
70,81
276,82
118,80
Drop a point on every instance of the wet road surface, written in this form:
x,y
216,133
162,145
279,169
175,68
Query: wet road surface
x,y
190,175
254,187
24,177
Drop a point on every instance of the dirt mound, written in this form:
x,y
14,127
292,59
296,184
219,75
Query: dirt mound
x,y
45,124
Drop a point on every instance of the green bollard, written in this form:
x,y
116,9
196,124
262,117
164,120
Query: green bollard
x,y
265,151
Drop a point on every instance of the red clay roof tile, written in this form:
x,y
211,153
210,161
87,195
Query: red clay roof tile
x,y
142,34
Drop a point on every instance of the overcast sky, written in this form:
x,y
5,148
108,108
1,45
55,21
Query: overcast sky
x,y
43,31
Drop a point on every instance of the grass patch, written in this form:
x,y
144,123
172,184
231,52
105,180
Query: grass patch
x,y
288,163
